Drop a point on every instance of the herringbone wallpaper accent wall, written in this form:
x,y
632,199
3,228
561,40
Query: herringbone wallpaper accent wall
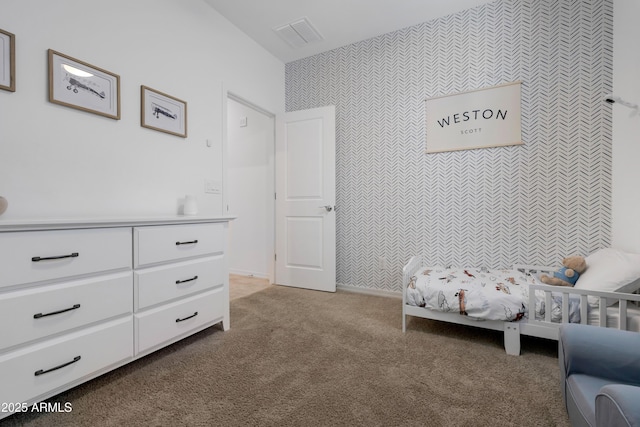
x,y
493,207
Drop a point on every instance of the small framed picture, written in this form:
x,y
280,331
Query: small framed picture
x,y
79,85
163,112
7,61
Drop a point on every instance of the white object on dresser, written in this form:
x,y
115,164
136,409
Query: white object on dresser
x,y
3,205
79,298
190,205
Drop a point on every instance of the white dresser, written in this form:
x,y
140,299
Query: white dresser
x,y
81,297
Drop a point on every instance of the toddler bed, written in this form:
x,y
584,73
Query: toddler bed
x,y
515,301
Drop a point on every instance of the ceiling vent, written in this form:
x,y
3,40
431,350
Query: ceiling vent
x,y
299,33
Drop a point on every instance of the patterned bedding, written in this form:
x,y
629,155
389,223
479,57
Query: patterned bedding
x,y
482,294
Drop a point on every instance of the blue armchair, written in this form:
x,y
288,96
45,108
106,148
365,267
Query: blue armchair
x,y
600,374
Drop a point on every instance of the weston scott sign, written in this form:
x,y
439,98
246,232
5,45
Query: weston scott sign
x,y
482,118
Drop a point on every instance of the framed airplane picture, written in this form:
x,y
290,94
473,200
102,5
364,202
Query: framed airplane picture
x,y
76,84
7,61
163,112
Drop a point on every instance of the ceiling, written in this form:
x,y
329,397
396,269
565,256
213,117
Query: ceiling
x,y
339,22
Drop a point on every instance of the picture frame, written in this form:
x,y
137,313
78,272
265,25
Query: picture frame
x,y
482,118
77,84
7,61
162,112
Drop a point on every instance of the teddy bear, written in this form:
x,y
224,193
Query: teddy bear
x,y
567,275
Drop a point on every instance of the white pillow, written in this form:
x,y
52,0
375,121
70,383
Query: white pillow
x,y
610,270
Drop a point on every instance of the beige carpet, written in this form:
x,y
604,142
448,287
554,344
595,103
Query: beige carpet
x,y
303,358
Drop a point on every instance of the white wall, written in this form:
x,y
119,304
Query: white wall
x,y
626,130
250,172
57,161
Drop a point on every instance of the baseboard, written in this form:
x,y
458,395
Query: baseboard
x,y
368,291
249,273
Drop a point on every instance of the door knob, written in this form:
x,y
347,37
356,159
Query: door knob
x,y
328,208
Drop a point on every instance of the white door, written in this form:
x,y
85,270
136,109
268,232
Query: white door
x,y
305,199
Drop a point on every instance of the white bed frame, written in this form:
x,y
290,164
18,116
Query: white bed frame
x,y
531,326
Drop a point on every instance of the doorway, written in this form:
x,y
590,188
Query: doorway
x,y
250,188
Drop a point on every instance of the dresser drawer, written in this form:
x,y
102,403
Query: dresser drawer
x,y
36,256
153,245
36,313
31,371
165,323
157,285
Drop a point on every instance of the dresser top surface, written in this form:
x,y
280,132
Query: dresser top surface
x,y
31,224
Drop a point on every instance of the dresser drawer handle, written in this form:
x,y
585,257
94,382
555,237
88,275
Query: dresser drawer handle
x,y
39,315
41,372
188,317
37,258
192,242
187,280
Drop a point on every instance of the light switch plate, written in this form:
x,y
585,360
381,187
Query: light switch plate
x,y
212,186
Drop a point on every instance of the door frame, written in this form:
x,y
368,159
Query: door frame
x,y
230,94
